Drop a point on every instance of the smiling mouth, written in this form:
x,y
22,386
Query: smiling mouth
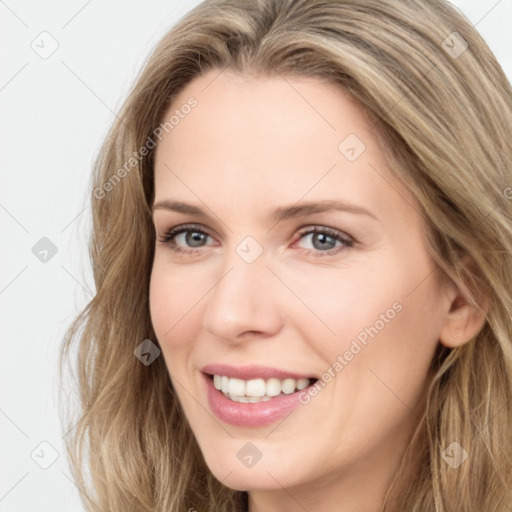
x,y
258,390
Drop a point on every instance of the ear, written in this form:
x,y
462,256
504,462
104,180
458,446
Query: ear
x,y
463,320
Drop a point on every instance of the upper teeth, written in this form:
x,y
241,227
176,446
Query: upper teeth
x,y
258,387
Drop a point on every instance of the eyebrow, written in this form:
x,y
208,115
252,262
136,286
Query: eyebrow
x,y
279,214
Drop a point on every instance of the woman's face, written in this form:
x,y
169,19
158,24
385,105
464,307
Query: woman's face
x,y
302,258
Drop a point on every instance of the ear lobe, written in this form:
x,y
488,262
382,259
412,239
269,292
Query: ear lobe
x,y
462,323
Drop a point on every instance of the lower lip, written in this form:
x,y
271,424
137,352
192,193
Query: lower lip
x,y
250,415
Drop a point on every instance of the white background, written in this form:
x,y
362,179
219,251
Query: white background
x,y
54,115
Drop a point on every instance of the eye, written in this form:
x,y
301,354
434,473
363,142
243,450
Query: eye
x,y
188,238
185,234
325,240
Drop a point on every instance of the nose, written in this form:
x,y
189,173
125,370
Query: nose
x,y
244,302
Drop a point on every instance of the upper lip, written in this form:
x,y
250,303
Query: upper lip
x,y
248,372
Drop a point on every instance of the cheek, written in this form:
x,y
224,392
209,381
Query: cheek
x,y
390,371
162,300
383,324
168,304
339,305
173,298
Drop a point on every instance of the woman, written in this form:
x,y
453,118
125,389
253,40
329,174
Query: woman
x,y
302,252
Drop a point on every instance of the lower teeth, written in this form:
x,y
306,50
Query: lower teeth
x,y
249,399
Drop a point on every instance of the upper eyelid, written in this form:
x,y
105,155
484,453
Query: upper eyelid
x,y
200,227
189,227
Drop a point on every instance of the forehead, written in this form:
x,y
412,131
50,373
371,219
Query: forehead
x,y
269,110
262,140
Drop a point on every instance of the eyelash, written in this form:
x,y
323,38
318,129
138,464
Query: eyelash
x,y
347,242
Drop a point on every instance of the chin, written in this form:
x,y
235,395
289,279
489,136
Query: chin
x,y
243,474
251,480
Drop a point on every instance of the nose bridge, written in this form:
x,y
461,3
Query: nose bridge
x,y
241,300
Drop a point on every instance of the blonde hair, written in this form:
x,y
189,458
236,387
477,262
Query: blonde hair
x,y
445,121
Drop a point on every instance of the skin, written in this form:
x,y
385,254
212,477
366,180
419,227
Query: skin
x,y
253,144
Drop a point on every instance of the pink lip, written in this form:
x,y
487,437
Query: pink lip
x,y
251,372
249,415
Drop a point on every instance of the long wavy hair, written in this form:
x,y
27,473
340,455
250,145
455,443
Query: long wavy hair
x,y
443,114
